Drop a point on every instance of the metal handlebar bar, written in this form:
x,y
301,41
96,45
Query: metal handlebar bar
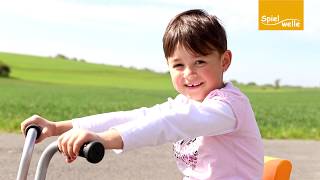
x,y
32,133
92,151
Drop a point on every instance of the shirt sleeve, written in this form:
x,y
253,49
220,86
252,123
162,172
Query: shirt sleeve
x,y
102,122
177,119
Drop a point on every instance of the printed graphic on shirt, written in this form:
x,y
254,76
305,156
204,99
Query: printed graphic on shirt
x,y
186,151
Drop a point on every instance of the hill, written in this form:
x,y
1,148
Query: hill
x,y
62,71
60,89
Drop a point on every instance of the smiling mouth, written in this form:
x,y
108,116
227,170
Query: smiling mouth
x,y
194,85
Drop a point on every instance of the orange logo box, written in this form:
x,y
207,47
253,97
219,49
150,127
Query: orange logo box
x,y
281,15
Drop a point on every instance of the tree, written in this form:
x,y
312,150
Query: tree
x,y
252,84
61,56
4,70
277,84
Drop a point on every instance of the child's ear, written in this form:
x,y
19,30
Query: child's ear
x,y
226,60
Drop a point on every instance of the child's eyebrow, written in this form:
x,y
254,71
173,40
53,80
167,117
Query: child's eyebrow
x,y
175,60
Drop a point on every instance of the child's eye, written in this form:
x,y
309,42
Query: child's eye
x,y
200,62
177,65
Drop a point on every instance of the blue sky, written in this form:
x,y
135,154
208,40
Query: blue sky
x,y
129,33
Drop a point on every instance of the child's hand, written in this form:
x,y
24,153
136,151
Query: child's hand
x,y
71,141
48,127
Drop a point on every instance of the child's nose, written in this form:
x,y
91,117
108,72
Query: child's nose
x,y
189,73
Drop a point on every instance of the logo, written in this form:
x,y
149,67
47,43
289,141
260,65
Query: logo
x,y
281,15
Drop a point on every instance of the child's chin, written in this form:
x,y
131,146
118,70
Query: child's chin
x,y
197,98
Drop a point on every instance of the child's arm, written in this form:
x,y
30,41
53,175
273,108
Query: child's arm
x,y
49,128
167,122
178,119
71,141
102,122
62,126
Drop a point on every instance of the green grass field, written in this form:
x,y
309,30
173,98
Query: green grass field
x,y
63,89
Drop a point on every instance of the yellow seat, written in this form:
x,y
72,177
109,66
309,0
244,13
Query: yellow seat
x,y
276,168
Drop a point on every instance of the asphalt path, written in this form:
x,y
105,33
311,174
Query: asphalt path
x,y
154,163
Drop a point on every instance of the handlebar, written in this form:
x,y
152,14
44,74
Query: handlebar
x,y
92,151
32,133
38,129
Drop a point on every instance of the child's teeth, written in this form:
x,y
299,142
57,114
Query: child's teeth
x,y
192,85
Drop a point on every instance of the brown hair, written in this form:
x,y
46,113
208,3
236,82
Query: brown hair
x,y
195,30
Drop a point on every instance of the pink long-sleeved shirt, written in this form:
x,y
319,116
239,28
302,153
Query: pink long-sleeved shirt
x,y
215,139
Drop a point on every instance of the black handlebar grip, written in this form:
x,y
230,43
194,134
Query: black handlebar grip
x,y
37,128
92,151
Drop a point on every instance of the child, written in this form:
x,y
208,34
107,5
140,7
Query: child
x,y
211,122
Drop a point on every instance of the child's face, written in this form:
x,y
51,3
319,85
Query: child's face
x,y
196,76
